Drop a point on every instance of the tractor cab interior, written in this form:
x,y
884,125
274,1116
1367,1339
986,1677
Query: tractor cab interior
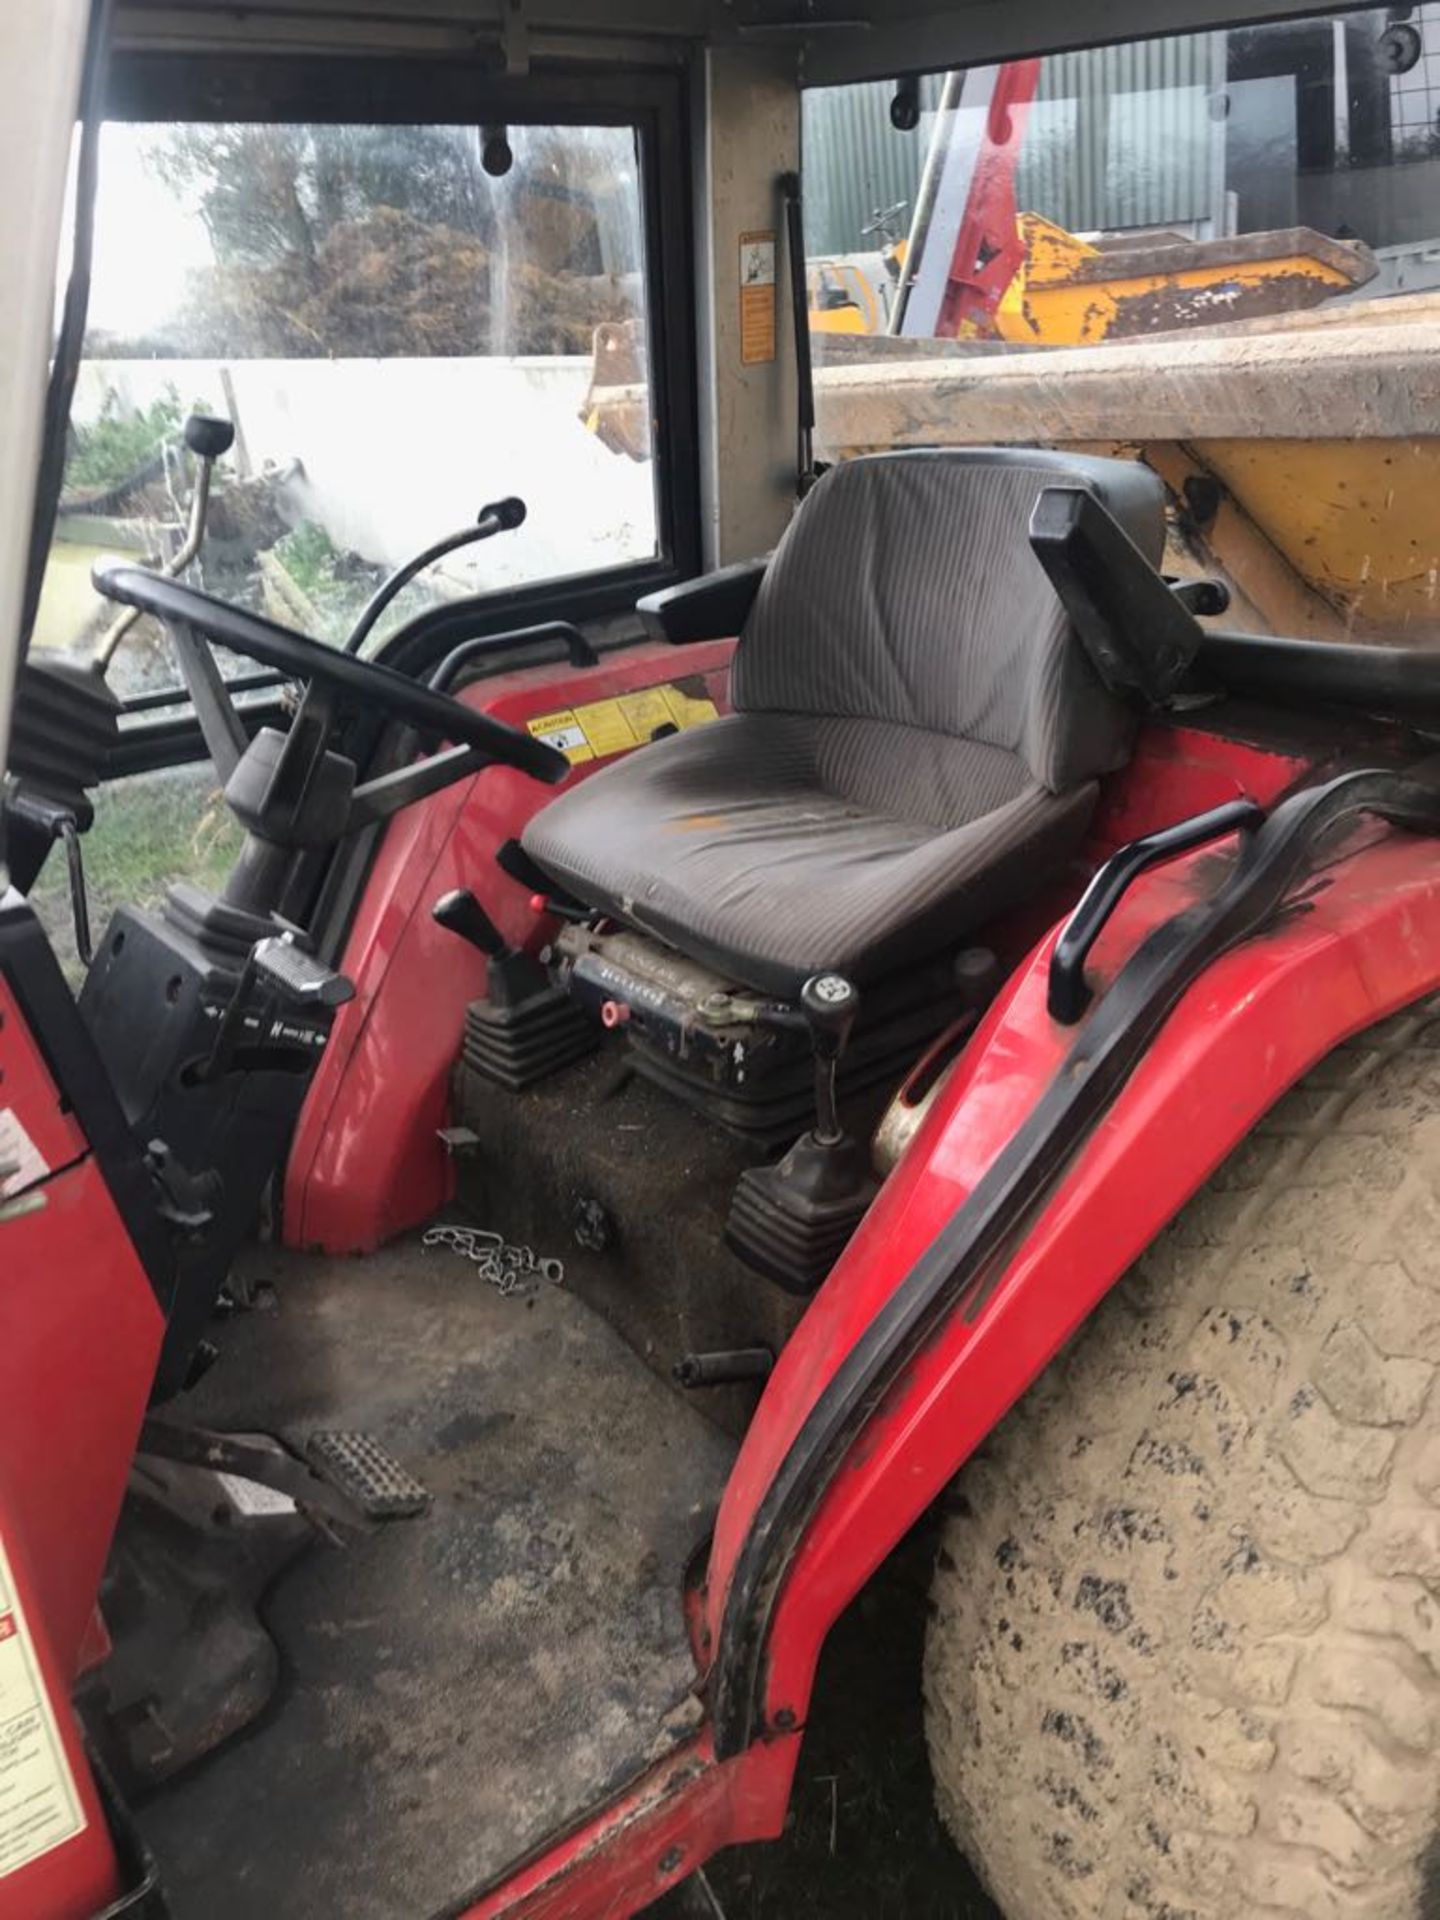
x,y
588,956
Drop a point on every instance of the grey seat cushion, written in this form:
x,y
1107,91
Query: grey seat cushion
x,y
917,734
739,843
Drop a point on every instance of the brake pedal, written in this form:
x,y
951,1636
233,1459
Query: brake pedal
x,y
367,1474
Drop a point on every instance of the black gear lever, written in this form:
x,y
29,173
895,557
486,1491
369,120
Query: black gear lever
x,y
829,1003
460,912
513,975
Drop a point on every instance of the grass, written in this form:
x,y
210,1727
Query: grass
x,y
106,451
335,591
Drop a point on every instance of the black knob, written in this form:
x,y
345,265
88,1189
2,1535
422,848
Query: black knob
x,y
497,156
460,912
509,512
829,1003
209,436
905,105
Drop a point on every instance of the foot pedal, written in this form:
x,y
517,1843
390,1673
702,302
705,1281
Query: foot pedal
x,y
368,1474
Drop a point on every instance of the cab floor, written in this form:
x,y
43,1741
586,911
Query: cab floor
x,y
457,1686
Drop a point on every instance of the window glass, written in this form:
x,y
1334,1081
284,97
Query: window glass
x,y
149,829
1219,252
399,336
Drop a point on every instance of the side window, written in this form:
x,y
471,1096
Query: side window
x,y
398,336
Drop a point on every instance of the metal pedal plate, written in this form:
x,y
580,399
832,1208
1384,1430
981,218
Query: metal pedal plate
x,y
367,1473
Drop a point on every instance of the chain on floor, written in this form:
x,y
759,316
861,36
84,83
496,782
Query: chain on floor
x,y
509,1269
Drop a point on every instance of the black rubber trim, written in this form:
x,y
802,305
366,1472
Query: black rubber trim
x,y
55,1023
1068,993
175,740
1399,681
145,1899
967,1259
70,345
295,653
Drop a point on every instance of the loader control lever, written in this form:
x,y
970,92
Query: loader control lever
x,y
829,1003
792,1219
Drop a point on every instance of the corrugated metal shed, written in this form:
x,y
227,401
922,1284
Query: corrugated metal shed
x,y
856,163
1127,136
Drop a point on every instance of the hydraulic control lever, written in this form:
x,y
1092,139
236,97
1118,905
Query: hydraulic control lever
x,y
208,438
792,1219
513,975
58,822
500,516
460,912
829,1003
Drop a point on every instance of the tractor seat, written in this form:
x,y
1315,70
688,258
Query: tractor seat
x,y
916,736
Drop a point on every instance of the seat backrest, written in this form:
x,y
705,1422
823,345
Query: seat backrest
x,y
906,590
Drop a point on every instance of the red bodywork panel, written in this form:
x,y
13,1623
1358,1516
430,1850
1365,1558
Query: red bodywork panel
x,y
81,1319
82,1332
366,1162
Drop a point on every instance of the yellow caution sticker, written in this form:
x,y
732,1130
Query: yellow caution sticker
x,y
603,728
39,1803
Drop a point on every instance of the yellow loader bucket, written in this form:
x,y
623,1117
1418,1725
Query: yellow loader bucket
x,y
1071,293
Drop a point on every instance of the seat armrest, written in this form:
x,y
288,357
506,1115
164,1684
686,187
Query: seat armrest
x,y
1138,631
714,607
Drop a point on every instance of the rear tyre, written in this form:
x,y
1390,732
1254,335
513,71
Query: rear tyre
x,y
1184,1654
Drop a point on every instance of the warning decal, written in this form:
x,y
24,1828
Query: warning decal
x,y
607,727
39,1807
22,1164
757,298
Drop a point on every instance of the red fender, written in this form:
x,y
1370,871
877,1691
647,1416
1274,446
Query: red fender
x,y
1253,1024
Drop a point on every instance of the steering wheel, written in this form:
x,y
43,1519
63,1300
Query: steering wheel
x,y
299,657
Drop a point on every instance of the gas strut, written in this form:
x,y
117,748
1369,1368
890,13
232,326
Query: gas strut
x,y
807,473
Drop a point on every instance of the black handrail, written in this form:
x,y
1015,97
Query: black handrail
x,y
578,650
1069,994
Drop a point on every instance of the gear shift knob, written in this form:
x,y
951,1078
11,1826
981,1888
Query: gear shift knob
x,y
460,912
209,437
829,1003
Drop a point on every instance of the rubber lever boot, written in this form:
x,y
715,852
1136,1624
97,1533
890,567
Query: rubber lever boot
x,y
829,1003
792,1220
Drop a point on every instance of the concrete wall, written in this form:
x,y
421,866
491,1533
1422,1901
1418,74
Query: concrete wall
x,y
396,453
